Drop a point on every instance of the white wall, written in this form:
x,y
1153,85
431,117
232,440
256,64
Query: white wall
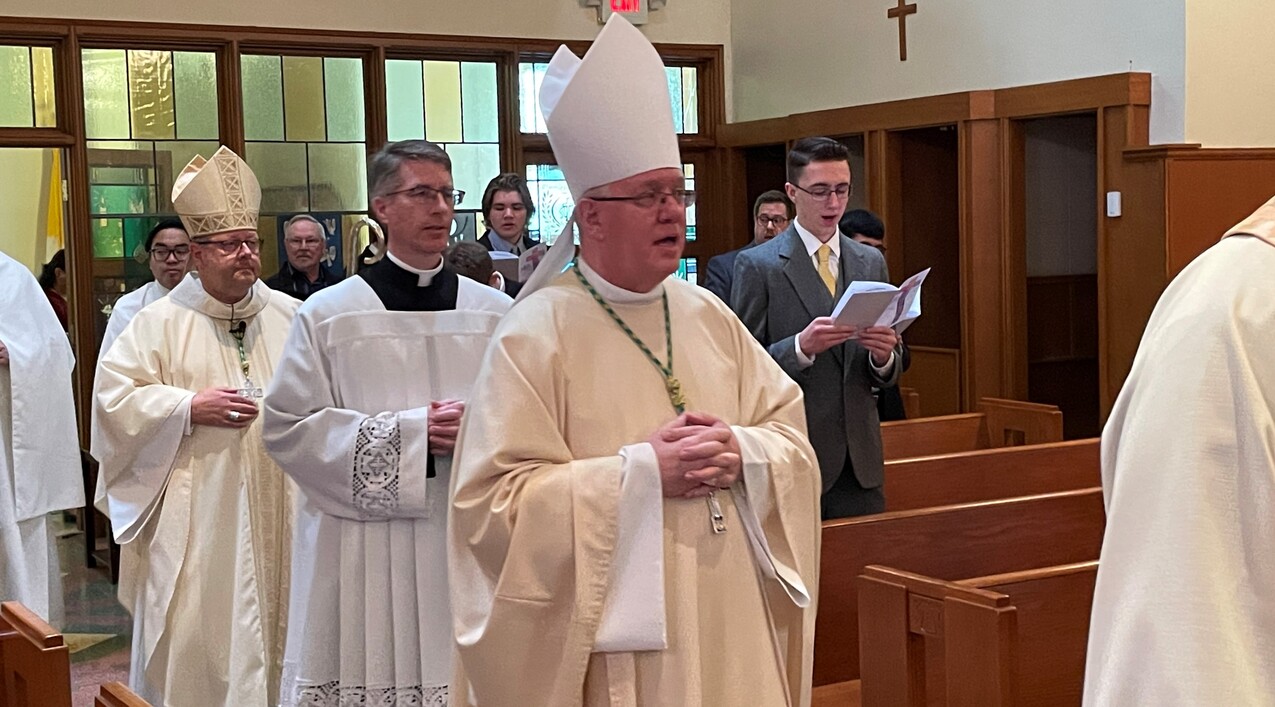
x,y
1060,186
801,55
1230,73
24,177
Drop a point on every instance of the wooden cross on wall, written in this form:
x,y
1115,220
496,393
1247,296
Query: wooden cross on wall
x,y
901,13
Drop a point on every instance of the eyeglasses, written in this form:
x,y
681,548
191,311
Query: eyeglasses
x,y
764,220
181,252
646,200
232,247
424,193
823,192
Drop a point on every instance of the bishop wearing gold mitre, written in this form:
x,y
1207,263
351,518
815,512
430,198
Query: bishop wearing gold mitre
x,y
203,516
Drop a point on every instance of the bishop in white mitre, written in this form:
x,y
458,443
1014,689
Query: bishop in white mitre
x,y
1184,605
363,414
635,508
39,448
203,516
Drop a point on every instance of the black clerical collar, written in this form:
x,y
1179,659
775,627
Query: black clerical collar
x,y
400,290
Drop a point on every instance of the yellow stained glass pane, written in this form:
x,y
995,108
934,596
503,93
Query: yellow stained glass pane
x,y
150,83
262,81
442,101
15,87
303,109
42,88
281,170
106,115
338,177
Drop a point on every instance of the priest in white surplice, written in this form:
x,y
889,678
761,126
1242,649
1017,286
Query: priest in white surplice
x,y
363,413
167,250
39,448
635,513
204,517
1184,607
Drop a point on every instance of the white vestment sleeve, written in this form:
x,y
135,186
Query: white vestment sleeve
x,y
633,616
141,423
754,501
347,463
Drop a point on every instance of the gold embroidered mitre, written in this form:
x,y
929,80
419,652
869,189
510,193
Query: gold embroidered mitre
x,y
217,195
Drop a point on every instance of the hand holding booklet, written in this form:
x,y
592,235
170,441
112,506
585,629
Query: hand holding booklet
x,y
867,303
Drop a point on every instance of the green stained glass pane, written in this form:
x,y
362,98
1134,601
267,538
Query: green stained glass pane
x,y
478,96
442,101
108,238
119,199
170,159
262,81
690,99
405,99
16,108
195,94
688,270
303,109
106,113
343,95
472,167
338,177
281,171
46,114
135,230
674,76
150,84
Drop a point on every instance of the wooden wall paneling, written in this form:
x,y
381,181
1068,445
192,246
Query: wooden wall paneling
x,y
375,105
936,376
985,291
1074,95
1130,252
1206,193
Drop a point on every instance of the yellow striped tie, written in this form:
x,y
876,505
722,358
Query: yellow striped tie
x,y
825,272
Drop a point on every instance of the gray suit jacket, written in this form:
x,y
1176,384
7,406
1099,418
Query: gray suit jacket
x,y
776,293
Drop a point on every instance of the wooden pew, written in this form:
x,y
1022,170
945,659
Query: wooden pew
x,y
966,477
967,540
34,661
998,423
117,694
1009,640
911,402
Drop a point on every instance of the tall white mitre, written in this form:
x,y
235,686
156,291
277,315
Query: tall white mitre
x,y
217,195
609,117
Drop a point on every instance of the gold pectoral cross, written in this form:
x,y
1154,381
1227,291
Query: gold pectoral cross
x,y
674,387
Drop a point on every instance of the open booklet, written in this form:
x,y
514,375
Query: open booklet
x,y
867,303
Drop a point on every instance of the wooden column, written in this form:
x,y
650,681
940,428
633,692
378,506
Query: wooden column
x,y
986,248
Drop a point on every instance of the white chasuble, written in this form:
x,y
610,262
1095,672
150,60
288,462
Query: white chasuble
x,y
1184,606
39,448
347,418
204,517
555,483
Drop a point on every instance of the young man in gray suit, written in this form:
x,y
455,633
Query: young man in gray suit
x,y
784,292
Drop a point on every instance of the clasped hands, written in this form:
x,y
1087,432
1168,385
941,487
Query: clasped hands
x,y
824,333
697,454
444,425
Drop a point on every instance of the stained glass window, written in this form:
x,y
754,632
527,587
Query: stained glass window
x,y
683,87
27,98
689,270
305,135
454,104
553,202
146,115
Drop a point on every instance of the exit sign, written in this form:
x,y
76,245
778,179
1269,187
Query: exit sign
x,y
634,11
